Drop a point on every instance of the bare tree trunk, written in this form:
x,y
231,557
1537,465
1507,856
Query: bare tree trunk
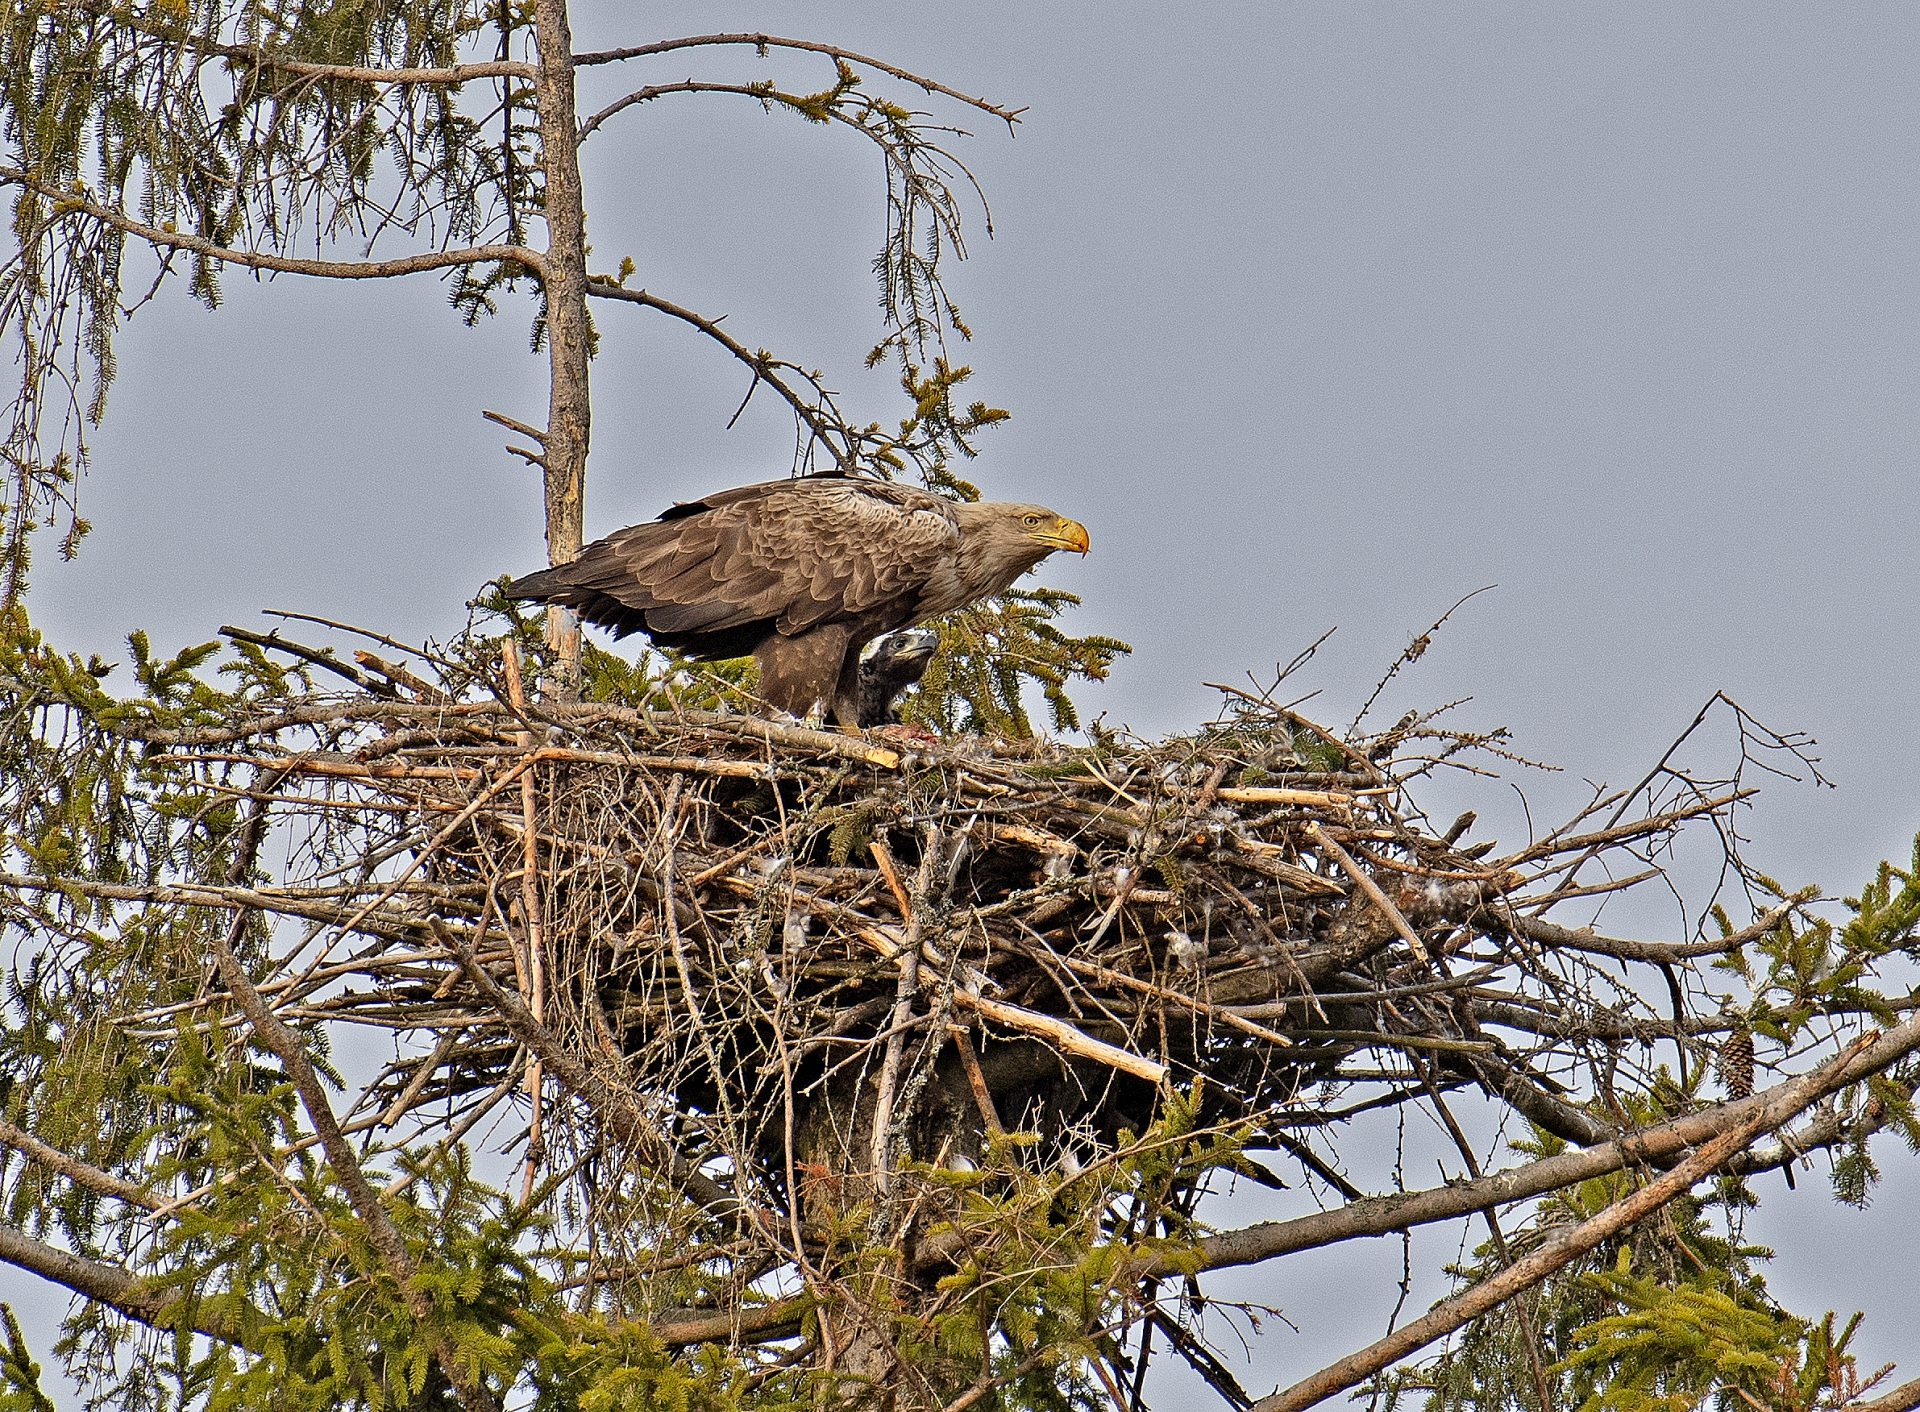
x,y
569,412
835,1143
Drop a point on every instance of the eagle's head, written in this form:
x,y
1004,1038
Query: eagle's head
x,y
1012,537
999,541
900,658
1051,531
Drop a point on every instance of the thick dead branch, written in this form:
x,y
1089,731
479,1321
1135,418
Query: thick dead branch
x,y
1560,1249
111,1285
1383,1215
90,1177
1585,939
1902,1399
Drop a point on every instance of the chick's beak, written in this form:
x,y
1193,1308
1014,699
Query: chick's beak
x,y
1065,534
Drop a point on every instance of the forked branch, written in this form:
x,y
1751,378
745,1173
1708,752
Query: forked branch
x,y
764,42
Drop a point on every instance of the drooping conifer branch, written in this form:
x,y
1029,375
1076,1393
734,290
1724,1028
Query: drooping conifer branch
x,y
63,205
765,42
155,25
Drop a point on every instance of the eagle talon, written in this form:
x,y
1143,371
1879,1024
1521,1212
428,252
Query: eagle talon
x,y
905,731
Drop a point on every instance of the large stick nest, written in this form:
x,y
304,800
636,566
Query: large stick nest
x,y
727,907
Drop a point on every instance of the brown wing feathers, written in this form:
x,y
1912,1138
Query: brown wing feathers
x,y
792,554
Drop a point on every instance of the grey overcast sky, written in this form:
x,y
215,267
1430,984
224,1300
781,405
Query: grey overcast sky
x,y
1317,315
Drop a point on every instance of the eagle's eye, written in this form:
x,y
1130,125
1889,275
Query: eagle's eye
x,y
1032,520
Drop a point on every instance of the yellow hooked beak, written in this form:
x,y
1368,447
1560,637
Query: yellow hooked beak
x,y
1065,534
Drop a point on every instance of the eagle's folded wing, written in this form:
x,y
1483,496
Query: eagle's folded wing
x,y
791,553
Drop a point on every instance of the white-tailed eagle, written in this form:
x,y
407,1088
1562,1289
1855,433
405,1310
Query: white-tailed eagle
x,y
802,574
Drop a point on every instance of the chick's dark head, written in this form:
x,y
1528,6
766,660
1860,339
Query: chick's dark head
x,y
895,663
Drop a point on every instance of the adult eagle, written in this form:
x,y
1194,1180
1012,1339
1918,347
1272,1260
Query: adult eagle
x,y
802,573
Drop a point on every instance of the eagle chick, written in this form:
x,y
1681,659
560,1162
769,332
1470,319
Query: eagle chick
x,y
897,661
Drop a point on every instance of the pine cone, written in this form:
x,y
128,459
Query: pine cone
x,y
1736,1062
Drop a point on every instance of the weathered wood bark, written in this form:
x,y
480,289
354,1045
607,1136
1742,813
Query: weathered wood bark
x,y
569,413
